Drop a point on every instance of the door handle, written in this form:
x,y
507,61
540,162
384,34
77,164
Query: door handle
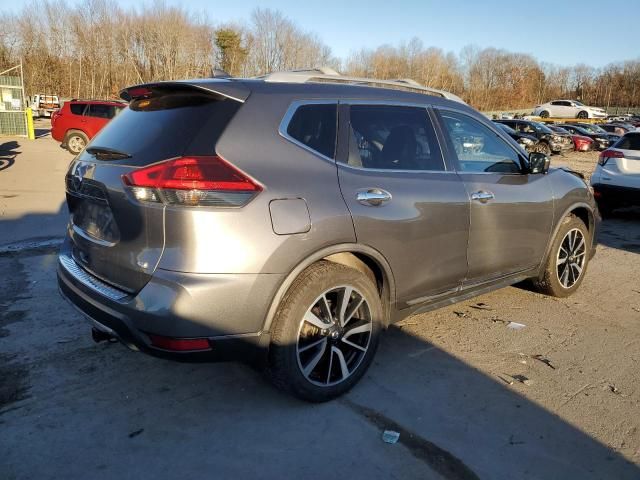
x,y
482,196
373,197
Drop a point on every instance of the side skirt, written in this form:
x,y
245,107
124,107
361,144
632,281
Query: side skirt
x,y
465,294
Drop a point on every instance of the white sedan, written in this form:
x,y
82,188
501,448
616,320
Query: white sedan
x,y
568,109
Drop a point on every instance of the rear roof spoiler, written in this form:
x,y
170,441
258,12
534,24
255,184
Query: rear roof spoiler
x,y
222,87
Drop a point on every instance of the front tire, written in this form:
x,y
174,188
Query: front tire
x,y
544,114
325,333
568,259
582,114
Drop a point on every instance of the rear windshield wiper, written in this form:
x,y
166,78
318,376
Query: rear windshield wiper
x,y
104,153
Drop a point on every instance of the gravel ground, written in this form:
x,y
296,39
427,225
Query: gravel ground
x,y
583,162
508,385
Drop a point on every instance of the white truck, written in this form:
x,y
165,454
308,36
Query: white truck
x,y
44,105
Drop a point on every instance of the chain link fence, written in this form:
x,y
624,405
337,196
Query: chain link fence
x,y
13,120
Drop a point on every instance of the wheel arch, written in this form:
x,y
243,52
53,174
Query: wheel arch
x,y
581,210
75,130
361,257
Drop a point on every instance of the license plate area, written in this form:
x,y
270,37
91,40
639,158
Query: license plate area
x,y
91,215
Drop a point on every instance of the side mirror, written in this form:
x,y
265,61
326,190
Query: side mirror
x,y
538,163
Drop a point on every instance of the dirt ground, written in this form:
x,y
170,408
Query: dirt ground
x,y
508,385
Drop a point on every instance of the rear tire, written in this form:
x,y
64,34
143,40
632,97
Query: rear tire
x,y
568,259
314,354
583,114
75,142
544,114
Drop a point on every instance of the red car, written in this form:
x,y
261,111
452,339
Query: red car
x,y
78,121
582,143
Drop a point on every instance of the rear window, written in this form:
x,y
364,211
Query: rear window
x,y
168,126
315,126
629,142
77,108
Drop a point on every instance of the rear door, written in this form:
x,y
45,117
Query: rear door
x,y
115,235
405,201
511,212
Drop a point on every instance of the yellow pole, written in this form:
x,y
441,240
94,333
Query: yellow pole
x,y
31,134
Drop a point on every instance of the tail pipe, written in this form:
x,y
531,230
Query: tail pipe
x,y
100,336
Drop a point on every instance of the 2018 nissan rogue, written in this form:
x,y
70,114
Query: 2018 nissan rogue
x,y
289,219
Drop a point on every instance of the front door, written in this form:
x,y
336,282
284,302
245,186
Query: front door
x,y
511,212
404,200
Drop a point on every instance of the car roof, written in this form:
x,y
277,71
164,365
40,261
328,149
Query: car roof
x,y
241,88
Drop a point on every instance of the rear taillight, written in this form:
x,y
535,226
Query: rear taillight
x,y
203,181
607,154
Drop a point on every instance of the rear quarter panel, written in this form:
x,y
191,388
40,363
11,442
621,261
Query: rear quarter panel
x,y
243,240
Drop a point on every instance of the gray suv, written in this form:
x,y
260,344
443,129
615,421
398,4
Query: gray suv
x,y
287,220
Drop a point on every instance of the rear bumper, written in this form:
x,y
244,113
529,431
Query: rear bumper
x,y
227,310
612,194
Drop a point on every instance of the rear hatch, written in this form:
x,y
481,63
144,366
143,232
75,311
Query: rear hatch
x,y
115,236
629,145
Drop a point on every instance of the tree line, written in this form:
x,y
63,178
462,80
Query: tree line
x,y
94,48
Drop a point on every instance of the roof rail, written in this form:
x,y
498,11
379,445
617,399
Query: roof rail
x,y
328,75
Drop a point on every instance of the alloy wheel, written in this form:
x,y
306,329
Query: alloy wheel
x,y
76,144
571,257
334,336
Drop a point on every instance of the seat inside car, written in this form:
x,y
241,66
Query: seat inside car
x,y
399,150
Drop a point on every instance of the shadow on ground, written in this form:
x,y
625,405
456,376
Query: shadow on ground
x,y
622,230
8,153
133,415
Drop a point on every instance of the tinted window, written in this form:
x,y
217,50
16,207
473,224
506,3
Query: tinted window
x,y
478,148
629,142
77,108
167,126
557,103
101,111
392,138
315,126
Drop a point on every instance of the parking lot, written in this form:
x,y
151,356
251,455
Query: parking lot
x,y
508,385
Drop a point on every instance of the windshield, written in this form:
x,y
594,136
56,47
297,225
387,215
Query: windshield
x,y
506,128
593,129
540,127
578,104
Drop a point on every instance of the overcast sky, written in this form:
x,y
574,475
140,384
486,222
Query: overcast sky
x,y
564,32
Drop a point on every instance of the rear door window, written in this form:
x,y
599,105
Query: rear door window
x,y
390,137
77,108
315,126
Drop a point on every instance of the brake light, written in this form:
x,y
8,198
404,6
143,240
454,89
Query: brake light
x,y
607,154
192,181
139,92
